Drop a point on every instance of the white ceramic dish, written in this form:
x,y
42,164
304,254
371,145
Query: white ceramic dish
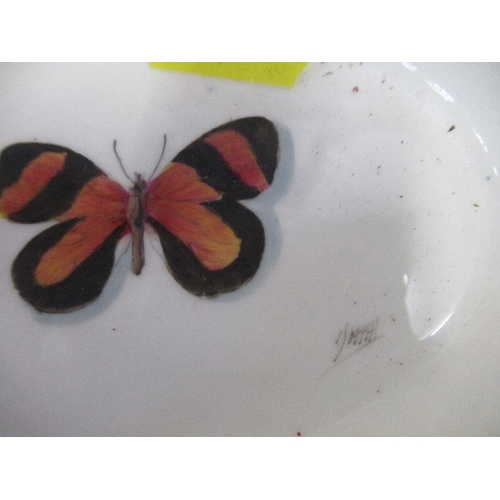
x,y
374,311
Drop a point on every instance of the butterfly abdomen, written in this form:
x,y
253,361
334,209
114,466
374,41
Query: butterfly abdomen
x,y
136,219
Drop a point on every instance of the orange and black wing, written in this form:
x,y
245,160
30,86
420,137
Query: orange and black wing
x,y
67,265
212,243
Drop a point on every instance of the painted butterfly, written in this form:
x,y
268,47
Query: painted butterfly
x,y
212,244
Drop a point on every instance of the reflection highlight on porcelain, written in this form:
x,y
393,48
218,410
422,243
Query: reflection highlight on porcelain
x,y
442,92
480,139
449,235
427,315
409,66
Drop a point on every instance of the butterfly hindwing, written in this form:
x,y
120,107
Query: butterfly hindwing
x,y
197,278
212,243
67,265
81,286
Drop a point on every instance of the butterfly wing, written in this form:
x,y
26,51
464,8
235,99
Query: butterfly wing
x,y
39,182
67,265
212,243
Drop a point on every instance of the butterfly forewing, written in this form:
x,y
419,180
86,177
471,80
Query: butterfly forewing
x,y
237,159
39,182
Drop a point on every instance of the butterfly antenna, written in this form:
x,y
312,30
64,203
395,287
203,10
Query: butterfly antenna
x,y
120,162
161,156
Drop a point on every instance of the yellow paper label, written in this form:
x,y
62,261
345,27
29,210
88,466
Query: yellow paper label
x,y
284,74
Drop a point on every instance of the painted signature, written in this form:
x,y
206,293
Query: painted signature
x,y
351,339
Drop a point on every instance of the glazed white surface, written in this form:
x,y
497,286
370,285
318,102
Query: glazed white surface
x,y
381,227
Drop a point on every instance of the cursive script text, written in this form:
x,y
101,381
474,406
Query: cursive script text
x,y
352,339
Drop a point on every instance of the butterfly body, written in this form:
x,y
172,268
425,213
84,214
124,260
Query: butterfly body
x,y
136,215
211,242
